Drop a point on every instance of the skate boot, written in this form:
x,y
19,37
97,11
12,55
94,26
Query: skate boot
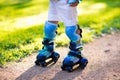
x,y
46,53
73,58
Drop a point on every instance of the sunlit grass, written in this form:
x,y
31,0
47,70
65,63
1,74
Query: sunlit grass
x,y
91,9
11,9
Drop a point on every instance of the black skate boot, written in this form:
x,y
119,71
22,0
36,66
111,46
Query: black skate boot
x,y
73,58
47,54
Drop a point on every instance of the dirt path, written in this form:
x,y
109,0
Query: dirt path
x,y
104,64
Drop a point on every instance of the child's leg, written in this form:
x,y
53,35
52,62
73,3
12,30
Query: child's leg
x,y
48,45
74,33
49,35
74,56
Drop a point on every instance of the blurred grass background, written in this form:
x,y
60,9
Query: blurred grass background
x,y
21,25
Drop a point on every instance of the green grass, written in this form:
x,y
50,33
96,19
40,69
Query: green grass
x,y
96,17
100,17
10,9
20,43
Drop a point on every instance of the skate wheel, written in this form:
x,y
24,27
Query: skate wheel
x,y
69,69
43,64
84,63
37,62
62,67
55,57
82,66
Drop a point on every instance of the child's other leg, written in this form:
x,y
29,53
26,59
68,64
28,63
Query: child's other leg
x,y
50,28
74,56
48,45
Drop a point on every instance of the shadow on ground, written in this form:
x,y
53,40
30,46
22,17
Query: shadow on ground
x,y
63,75
32,72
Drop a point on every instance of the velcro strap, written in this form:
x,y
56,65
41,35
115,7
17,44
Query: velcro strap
x,y
48,42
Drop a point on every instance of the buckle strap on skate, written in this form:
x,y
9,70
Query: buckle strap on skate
x,y
76,54
48,42
73,46
48,45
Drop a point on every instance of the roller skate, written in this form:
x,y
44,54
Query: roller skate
x,y
74,58
47,54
